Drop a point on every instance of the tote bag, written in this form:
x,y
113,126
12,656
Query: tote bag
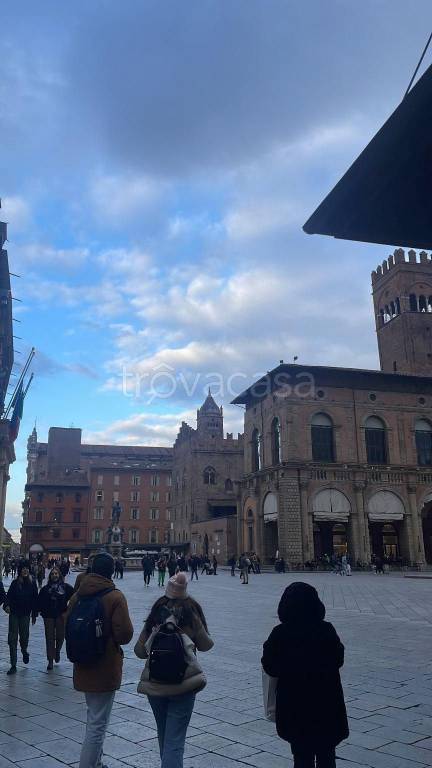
x,y
269,685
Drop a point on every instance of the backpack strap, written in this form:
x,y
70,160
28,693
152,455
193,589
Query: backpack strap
x,y
101,593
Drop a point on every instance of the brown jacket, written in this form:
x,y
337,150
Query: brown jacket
x,y
106,674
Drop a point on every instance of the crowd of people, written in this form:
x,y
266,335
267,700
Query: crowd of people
x,y
302,655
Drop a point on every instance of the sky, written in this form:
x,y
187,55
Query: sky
x,y
157,163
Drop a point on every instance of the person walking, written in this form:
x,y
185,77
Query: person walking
x,y
244,568
100,678
20,604
173,702
40,574
172,565
232,564
194,563
161,566
305,653
214,565
147,567
52,604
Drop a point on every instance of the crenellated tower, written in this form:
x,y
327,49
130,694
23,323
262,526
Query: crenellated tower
x,y
402,296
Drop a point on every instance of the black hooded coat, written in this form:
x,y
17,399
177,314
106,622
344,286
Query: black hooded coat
x,y
305,654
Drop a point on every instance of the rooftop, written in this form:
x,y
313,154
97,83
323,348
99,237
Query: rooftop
x,y
295,375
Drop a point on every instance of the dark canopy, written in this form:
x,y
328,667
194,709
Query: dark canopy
x,y
386,195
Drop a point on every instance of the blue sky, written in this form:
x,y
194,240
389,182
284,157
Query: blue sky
x,y
157,162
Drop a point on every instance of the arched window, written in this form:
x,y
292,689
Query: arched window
x,y
393,308
276,441
322,438
423,439
209,476
413,302
256,451
228,485
376,443
422,304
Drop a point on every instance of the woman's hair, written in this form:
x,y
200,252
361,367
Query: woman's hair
x,y
54,568
184,610
300,604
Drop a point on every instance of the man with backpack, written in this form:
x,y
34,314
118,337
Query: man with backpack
x,y
97,624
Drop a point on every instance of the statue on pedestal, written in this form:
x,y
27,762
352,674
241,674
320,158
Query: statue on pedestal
x,y
115,533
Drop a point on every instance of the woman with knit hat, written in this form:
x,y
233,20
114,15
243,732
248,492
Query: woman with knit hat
x,y
179,615
305,654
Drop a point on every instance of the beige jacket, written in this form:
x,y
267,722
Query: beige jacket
x,y
196,638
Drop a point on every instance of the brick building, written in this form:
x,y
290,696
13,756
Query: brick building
x,y
71,488
207,468
339,459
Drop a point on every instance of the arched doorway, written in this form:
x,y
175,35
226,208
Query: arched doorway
x,y
386,515
271,532
331,510
427,527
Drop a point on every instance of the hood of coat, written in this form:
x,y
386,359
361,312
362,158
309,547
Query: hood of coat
x,y
93,583
300,606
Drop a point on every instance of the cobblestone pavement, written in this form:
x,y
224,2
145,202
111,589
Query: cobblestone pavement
x,y
384,621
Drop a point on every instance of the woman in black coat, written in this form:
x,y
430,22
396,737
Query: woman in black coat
x,y
305,654
52,603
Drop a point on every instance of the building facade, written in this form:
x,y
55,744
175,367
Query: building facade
x,y
207,469
338,459
71,488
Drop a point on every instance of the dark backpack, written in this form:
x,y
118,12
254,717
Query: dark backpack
x,y
85,636
167,660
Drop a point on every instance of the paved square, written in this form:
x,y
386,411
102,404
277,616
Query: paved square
x,y
384,621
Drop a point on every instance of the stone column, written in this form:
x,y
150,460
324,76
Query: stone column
x,y
306,523
289,522
354,535
363,527
415,533
239,525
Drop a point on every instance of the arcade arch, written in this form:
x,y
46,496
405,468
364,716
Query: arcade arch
x,y
331,510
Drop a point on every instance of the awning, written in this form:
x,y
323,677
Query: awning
x,y
384,507
331,505
270,508
385,196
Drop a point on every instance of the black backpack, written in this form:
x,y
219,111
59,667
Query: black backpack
x,y
85,636
167,660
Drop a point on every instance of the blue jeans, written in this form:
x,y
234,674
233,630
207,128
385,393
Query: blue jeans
x,y
99,706
172,715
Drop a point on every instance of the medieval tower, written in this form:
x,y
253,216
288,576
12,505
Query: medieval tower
x,y
402,296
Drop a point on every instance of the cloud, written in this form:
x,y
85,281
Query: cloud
x,y
35,254
258,219
116,198
151,428
16,212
